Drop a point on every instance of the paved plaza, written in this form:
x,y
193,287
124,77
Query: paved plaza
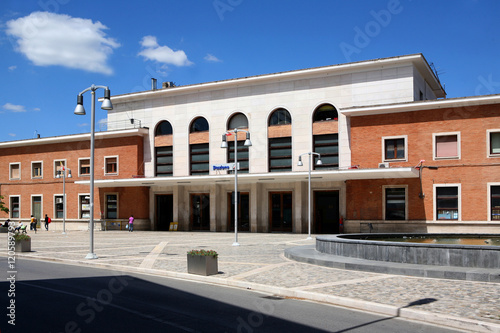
x,y
259,264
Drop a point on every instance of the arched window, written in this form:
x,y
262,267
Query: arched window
x,y
326,137
280,117
163,128
199,125
199,150
325,112
280,141
164,150
238,120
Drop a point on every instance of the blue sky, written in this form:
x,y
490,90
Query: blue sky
x,y
50,50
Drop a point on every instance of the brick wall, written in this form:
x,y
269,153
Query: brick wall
x,y
129,151
473,170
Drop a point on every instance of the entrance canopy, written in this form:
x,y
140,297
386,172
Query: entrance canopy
x,y
270,177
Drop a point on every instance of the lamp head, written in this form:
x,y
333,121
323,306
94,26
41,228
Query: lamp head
x,y
106,104
318,162
248,143
69,174
224,141
58,174
79,110
300,161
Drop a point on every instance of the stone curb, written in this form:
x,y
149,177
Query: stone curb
x,y
382,309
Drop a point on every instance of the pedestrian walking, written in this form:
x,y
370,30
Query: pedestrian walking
x,y
47,221
131,223
33,223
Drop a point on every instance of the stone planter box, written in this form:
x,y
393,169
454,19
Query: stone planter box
x,y
23,245
202,265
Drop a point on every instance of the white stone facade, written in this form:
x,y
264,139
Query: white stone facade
x,y
301,92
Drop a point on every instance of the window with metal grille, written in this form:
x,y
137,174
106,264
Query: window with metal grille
x,y
280,154
200,158
327,145
164,161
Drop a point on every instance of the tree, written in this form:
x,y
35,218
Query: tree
x,y
2,207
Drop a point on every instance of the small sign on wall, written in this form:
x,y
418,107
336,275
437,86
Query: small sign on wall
x,y
173,226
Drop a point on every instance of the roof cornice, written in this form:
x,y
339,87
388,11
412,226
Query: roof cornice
x,y
75,138
462,102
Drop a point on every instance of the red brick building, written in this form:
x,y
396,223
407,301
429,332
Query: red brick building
x,y
30,185
455,146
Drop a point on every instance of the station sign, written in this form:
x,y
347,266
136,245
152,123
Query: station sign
x,y
224,166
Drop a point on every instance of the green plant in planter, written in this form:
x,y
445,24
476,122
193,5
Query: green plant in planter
x,y
21,237
203,253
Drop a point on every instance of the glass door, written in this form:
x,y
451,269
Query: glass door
x,y
280,214
36,208
164,211
200,211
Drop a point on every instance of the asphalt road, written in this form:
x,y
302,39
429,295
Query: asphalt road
x,y
52,297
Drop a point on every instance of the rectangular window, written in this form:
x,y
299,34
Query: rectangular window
x,y
447,203
242,156
328,146
15,171
111,206
164,161
494,142
36,170
394,149
200,159
111,165
495,203
58,206
59,166
395,203
84,167
280,154
14,207
446,146
84,206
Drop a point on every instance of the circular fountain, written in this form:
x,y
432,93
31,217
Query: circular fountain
x,y
456,250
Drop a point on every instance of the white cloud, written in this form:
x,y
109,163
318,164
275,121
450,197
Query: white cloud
x,y
12,134
12,68
211,58
13,107
164,54
49,39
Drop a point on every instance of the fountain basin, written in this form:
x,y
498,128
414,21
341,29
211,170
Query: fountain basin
x,y
375,247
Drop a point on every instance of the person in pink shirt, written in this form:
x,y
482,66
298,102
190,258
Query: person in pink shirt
x,y
131,223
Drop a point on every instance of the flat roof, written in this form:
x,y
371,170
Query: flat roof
x,y
418,60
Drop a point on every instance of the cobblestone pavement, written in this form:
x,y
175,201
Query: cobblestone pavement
x,y
259,261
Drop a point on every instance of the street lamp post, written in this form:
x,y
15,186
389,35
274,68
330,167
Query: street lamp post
x,y
309,186
79,110
224,144
63,172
